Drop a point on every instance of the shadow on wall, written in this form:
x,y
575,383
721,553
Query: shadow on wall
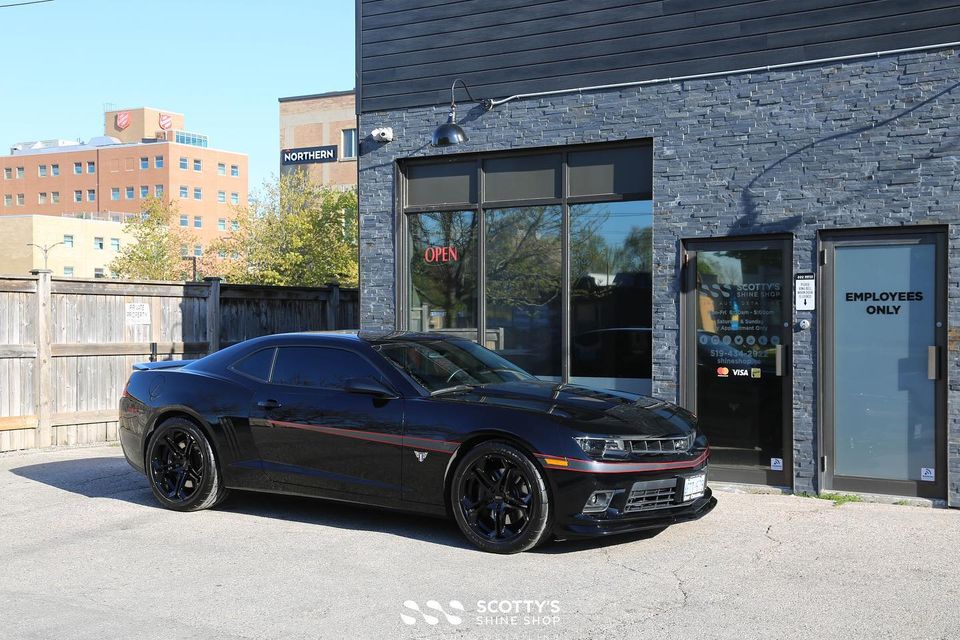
x,y
112,477
748,200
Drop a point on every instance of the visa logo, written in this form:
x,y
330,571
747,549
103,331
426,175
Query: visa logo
x,y
740,372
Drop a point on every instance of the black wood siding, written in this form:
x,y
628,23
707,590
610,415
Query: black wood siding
x,y
410,51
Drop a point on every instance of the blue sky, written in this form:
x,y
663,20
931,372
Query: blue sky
x,y
222,64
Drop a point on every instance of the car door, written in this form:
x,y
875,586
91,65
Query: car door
x,y
311,433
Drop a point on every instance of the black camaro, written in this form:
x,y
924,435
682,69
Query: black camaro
x,y
420,422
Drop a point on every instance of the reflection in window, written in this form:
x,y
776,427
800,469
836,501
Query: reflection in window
x,y
524,284
443,271
611,250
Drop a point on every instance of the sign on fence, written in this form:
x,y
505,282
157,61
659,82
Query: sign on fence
x,y
138,313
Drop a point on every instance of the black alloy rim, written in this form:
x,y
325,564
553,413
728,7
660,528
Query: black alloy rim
x,y
496,498
177,465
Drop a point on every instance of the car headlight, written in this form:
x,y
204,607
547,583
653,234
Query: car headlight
x,y
603,447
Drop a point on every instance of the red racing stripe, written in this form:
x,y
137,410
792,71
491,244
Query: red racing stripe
x,y
595,466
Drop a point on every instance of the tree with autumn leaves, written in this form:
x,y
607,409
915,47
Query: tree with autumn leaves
x,y
294,233
154,253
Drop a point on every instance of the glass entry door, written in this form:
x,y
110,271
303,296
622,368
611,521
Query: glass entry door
x,y
883,371
736,375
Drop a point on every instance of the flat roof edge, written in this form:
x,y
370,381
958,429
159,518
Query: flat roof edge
x,y
312,96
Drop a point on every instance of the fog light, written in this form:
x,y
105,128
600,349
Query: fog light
x,y
598,501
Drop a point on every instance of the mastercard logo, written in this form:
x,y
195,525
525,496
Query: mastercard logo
x,y
723,372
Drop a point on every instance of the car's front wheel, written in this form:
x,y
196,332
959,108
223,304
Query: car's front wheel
x,y
181,467
500,500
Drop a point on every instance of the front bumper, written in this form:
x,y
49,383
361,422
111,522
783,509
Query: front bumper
x,y
583,526
627,512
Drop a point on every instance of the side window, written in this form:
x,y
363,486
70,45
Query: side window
x,y
256,365
319,367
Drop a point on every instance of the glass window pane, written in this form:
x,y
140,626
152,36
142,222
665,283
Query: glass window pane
x,y
443,272
523,269
611,302
520,178
441,183
319,367
624,170
885,318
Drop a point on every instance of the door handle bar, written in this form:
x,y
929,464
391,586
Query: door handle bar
x,y
269,404
933,363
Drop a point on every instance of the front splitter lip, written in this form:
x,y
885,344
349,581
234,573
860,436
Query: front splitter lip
x,y
639,522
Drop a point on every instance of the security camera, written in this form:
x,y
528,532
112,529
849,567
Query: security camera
x,y
382,134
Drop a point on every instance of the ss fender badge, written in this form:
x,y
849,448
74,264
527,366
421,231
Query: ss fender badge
x,y
421,455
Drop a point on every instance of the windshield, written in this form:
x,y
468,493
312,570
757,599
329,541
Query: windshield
x,y
441,364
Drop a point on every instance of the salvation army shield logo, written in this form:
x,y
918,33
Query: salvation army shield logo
x,y
122,120
166,121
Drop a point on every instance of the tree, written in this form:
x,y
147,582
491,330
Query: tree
x,y
154,253
295,233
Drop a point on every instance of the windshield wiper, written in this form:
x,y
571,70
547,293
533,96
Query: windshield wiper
x,y
453,389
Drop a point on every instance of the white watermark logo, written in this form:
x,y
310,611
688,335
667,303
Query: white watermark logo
x,y
435,606
525,613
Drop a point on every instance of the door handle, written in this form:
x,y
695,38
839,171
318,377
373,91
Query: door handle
x,y
933,363
779,359
269,404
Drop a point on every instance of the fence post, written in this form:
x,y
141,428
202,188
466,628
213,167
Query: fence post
x,y
333,305
213,314
42,374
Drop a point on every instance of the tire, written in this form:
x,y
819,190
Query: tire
x,y
181,467
499,499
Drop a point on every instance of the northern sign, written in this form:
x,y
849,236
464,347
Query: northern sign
x,y
309,155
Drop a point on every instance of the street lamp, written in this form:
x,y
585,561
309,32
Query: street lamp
x,y
46,250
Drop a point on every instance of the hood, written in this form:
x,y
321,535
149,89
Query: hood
x,y
592,411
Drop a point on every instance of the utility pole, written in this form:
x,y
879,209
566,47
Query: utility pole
x,y
194,259
45,248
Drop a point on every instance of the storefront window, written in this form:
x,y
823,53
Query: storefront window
x,y
524,286
443,271
611,254
487,258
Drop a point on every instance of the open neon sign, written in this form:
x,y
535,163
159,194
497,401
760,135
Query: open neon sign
x,y
433,255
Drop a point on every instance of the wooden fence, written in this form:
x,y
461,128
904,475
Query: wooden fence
x,y
67,345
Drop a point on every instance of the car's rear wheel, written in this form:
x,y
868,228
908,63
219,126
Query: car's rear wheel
x,y
182,468
499,499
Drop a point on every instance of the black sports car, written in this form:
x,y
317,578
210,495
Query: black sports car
x,y
420,422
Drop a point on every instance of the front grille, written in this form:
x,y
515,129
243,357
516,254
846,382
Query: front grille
x,y
661,445
650,495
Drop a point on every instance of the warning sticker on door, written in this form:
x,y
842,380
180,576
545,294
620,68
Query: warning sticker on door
x,y
927,474
776,464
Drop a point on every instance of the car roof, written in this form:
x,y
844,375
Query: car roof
x,y
370,337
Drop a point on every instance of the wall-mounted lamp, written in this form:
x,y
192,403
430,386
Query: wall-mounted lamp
x,y
450,133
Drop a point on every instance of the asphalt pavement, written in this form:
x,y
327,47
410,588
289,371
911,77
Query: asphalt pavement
x,y
85,552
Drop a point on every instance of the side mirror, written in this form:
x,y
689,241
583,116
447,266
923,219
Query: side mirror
x,y
369,387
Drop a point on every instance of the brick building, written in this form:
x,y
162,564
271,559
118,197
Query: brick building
x,y
318,134
755,214
143,153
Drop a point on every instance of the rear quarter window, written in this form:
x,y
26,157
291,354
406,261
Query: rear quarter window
x,y
256,365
